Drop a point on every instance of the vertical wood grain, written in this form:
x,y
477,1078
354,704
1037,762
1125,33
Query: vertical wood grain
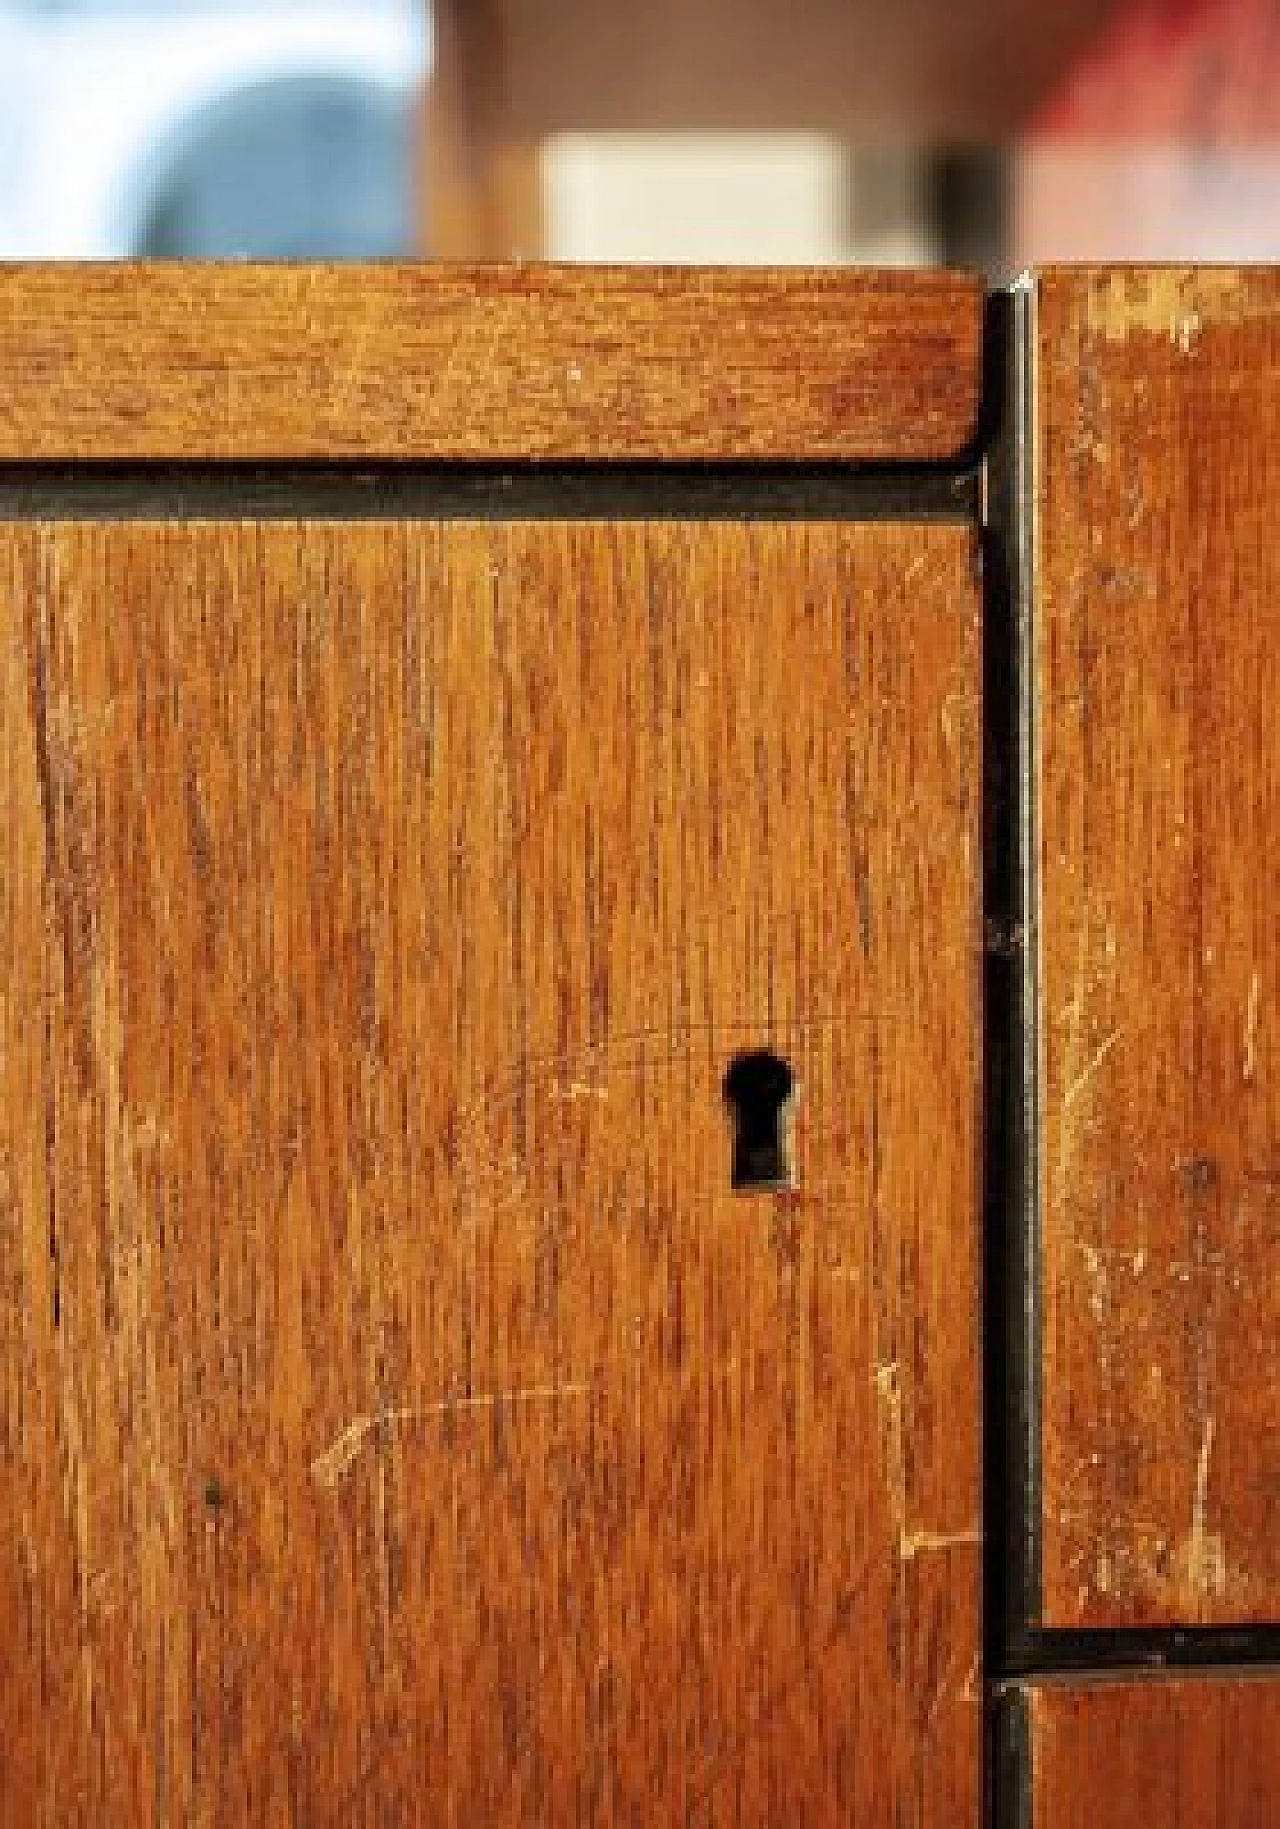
x,y
401,1420
1198,1752
1157,679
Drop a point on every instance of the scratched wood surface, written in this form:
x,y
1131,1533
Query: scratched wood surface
x,y
1200,1752
401,1420
174,362
1158,677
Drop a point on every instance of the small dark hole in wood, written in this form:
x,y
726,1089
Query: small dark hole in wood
x,y
760,1091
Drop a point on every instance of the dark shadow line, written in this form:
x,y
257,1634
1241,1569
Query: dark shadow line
x,y
1045,1652
435,492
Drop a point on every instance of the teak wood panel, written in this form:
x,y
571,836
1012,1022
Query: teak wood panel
x,y
402,1420
1157,679
1200,1752
182,363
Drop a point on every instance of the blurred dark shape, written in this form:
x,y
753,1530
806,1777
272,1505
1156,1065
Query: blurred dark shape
x,y
302,168
969,198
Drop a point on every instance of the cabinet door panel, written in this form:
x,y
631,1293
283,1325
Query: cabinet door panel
x,y
1201,1752
1157,674
402,1418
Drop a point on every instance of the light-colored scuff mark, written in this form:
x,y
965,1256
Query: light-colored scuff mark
x,y
1098,1263
1173,302
1202,1478
1087,1072
574,1090
888,1383
911,1543
1188,331
329,1468
1095,1264
915,1543
957,708
966,1693
1253,1011
347,384
1135,1561
1074,1014
103,1595
1203,1556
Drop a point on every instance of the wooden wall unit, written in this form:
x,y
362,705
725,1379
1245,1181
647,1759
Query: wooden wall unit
x,y
446,717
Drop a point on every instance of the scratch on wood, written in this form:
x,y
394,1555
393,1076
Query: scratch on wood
x,y
968,1693
914,1543
911,1543
331,1466
1071,1054
888,1383
1087,1072
1252,1013
1203,1556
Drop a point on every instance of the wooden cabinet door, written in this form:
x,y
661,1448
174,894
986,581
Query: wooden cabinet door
x,y
1200,1751
1155,681
403,1416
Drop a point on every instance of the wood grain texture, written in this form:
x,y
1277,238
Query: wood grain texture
x,y
183,363
1158,676
1200,1752
401,1421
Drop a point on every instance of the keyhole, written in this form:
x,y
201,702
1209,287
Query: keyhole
x,y
760,1091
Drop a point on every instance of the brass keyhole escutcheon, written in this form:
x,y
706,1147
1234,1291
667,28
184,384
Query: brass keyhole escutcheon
x,y
760,1090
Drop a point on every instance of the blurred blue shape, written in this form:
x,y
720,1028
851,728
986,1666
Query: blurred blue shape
x,y
211,128
304,168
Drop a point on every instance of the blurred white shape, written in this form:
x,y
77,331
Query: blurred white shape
x,y
1146,203
758,198
202,128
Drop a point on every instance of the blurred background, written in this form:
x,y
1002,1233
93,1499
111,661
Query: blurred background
x,y
984,133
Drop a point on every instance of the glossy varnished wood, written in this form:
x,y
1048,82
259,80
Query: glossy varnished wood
x,y
1157,675
1198,1752
401,1420
171,362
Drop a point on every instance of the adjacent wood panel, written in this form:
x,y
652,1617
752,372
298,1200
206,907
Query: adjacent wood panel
x,y
183,363
1196,1753
400,1418
1158,677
